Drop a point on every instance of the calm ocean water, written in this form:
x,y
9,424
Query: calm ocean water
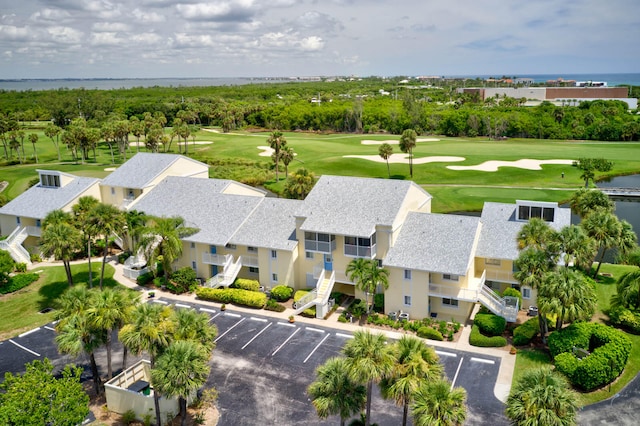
x,y
107,83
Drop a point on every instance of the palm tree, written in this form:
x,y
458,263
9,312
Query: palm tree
x,y
33,138
334,393
276,141
162,241
195,326
82,211
299,184
75,331
368,276
105,219
385,151
369,360
180,371
407,143
437,404
286,156
566,294
133,230
415,362
151,330
585,201
108,311
56,217
61,240
541,397
535,233
605,228
628,294
577,247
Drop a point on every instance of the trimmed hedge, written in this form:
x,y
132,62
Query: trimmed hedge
x,y
626,319
18,282
523,334
282,293
429,333
144,279
490,324
476,338
609,351
237,296
246,284
272,305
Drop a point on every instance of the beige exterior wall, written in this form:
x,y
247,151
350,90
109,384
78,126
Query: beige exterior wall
x,y
235,188
495,272
116,195
537,93
416,288
448,313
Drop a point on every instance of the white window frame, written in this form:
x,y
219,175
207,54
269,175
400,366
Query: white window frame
x,y
449,302
231,247
251,249
308,255
274,254
407,274
406,300
526,292
451,277
274,278
494,262
194,265
254,270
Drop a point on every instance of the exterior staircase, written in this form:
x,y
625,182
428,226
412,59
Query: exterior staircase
x,y
228,275
319,296
506,307
13,244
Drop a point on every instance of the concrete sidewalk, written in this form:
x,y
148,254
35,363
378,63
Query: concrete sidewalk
x,y
507,361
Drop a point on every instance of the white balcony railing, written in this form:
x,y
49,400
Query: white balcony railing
x,y
505,276
34,231
215,259
251,261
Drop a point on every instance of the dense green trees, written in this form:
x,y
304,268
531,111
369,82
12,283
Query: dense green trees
x,y
368,276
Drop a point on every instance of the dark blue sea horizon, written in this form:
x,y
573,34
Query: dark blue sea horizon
x,y
612,79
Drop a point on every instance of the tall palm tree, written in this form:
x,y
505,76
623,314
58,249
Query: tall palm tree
x,y
605,228
104,220
407,143
286,156
386,151
369,359
135,223
75,332
150,330
276,141
109,310
195,326
567,295
578,248
437,404
415,363
61,240
334,392
540,398
82,211
585,201
56,217
368,276
535,233
180,371
162,241
628,294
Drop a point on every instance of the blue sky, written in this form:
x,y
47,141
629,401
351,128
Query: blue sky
x,y
252,38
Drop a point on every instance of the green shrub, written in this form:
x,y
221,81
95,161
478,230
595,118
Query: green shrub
x,y
18,282
523,334
238,296
342,318
378,302
128,417
182,281
282,293
509,291
430,333
490,325
21,267
623,317
160,281
272,305
476,338
245,284
609,351
358,308
122,257
144,279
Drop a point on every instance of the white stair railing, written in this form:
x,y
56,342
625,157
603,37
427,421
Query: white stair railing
x,y
13,245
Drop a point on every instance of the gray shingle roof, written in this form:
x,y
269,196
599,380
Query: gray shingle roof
x,y
434,242
200,203
500,230
353,206
141,169
37,201
271,225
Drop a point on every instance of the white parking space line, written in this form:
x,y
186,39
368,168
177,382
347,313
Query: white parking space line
x,y
215,316
346,336
231,328
446,354
256,336
486,361
161,301
453,382
26,333
314,349
180,305
49,328
211,311
287,324
258,319
314,329
285,342
26,349
229,314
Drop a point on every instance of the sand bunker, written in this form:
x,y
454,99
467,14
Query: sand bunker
x,y
525,163
395,142
404,159
267,151
109,169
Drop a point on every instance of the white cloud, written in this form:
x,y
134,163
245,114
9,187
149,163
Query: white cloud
x,y
65,35
311,43
13,33
106,39
110,27
235,10
146,17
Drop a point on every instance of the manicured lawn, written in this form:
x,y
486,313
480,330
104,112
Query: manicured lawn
x,y
19,311
528,359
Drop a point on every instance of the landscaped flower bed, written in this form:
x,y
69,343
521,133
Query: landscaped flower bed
x,y
426,328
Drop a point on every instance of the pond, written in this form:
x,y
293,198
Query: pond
x,y
628,209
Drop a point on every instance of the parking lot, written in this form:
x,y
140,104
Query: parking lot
x,y
263,365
